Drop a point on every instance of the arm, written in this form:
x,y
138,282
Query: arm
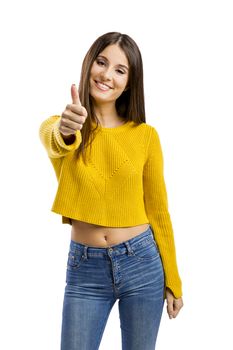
x,y
56,144
156,205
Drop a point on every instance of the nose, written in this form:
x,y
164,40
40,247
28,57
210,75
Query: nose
x,y
106,74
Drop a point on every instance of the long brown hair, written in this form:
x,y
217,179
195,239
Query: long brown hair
x,y
130,105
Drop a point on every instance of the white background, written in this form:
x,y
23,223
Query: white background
x,y
186,48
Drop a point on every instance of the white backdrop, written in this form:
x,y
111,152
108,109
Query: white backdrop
x,y
187,52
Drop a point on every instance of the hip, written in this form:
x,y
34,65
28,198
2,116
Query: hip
x,y
132,264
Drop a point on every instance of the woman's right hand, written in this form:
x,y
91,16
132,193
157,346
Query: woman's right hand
x,y
74,116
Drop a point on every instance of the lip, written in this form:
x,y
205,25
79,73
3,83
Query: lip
x,y
98,81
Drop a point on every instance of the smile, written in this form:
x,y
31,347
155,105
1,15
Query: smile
x,y
101,86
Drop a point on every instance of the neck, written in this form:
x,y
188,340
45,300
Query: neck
x,y
107,114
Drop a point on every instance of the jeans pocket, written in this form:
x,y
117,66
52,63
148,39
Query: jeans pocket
x,y
146,250
75,258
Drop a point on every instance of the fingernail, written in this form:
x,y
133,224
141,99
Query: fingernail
x,y
73,84
170,316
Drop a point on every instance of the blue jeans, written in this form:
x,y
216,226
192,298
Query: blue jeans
x,y
132,272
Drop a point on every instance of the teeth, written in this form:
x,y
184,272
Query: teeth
x,y
103,86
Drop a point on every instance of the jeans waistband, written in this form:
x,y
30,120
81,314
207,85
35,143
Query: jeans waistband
x,y
148,233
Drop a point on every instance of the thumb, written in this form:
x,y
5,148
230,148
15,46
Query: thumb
x,y
75,95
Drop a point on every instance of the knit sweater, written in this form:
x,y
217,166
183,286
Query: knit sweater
x,y
121,185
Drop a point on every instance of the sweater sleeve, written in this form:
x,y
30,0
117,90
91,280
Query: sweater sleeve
x,y
52,140
156,206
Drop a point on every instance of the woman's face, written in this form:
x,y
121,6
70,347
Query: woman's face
x,y
111,68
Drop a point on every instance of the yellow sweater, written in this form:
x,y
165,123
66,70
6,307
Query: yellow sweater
x,y
121,185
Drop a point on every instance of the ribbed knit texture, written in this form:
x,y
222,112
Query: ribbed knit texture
x,y
121,185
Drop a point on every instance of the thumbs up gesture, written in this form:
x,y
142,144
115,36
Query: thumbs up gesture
x,y
74,116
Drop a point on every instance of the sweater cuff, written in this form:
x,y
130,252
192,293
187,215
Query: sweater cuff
x,y
58,137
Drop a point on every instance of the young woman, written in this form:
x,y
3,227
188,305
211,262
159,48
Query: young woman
x,y
111,190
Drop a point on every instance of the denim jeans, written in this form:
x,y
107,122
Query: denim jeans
x,y
132,272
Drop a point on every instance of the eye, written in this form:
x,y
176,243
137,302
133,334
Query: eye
x,y
100,62
120,71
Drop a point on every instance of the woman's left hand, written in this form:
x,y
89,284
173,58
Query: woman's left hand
x,y
173,304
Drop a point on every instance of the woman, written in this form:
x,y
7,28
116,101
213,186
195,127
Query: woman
x,y
111,190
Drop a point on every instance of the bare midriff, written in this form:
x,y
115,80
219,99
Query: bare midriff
x,y
103,236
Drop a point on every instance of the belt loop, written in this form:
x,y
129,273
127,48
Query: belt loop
x,y
85,252
129,249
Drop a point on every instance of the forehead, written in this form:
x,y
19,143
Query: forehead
x,y
115,54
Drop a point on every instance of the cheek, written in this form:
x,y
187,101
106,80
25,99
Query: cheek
x,y
96,69
122,83
93,70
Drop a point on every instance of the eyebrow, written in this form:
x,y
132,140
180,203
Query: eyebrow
x,y
121,65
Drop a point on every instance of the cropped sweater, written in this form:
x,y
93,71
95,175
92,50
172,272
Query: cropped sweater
x,y
122,184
